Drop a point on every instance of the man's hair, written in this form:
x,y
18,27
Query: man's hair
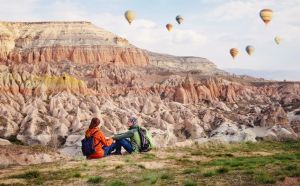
x,y
133,120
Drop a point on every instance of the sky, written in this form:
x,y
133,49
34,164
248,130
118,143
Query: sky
x,y
210,29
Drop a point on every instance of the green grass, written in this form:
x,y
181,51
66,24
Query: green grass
x,y
32,174
150,178
149,156
77,175
165,176
222,170
231,164
95,179
191,171
116,183
265,178
189,183
36,177
209,173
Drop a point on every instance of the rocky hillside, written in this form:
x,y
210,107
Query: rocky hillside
x,y
56,76
79,42
188,63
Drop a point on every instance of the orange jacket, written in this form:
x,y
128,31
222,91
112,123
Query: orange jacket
x,y
98,137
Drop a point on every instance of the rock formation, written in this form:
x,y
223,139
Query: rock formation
x,y
79,42
56,76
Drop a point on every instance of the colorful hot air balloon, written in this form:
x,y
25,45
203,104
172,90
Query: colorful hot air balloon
x,y
266,15
130,16
250,50
234,52
278,40
179,19
169,27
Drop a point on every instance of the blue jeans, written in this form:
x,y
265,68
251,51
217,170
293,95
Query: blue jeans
x,y
118,146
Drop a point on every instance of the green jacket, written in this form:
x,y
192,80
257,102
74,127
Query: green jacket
x,y
134,136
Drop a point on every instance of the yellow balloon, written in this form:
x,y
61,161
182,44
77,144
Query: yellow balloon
x,y
250,50
130,16
266,15
169,27
278,40
234,52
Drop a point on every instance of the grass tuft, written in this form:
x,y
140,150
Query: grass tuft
x,y
165,177
117,183
95,179
77,175
33,174
222,170
119,167
189,183
141,166
265,178
191,171
152,178
209,173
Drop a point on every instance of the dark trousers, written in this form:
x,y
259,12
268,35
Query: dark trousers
x,y
118,146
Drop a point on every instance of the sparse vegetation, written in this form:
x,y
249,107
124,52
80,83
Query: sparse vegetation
x,y
236,164
190,183
165,177
117,183
77,175
191,171
14,140
119,167
150,178
95,179
32,174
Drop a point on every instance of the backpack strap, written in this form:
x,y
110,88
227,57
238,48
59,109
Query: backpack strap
x,y
140,135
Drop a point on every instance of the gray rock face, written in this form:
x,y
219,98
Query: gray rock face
x,y
187,63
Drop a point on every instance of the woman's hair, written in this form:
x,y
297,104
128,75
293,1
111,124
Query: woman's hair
x,y
94,123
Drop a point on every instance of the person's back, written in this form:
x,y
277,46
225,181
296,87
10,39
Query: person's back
x,y
99,142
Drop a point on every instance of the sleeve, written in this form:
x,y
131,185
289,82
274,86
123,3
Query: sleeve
x,y
127,134
100,136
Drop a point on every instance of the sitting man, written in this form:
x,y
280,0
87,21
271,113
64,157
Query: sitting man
x,y
140,139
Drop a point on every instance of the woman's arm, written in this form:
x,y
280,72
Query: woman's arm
x,y
102,139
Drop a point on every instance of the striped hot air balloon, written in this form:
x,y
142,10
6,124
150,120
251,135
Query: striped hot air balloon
x,y
250,50
266,15
130,16
234,52
169,27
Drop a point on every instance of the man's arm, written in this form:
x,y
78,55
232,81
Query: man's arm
x,y
127,134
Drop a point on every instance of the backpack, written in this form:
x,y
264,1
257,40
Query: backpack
x,y
145,142
87,145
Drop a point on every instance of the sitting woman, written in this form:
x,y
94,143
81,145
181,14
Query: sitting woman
x,y
101,144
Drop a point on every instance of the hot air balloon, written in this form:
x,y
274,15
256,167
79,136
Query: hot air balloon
x,y
130,16
250,50
179,19
266,15
278,40
234,52
169,27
